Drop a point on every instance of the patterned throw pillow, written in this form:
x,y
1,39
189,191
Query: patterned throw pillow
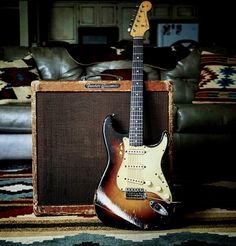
x,y
217,81
15,80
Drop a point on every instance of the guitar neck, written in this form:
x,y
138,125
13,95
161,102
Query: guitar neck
x,y
136,104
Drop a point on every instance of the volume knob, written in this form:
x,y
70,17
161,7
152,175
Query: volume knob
x,y
149,183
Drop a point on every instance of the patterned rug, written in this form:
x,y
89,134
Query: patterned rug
x,y
205,226
15,188
121,238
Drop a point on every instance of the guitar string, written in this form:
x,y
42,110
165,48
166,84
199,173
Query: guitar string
x,y
135,170
136,118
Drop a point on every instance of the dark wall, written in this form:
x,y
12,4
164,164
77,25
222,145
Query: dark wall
x,y
39,11
9,22
217,23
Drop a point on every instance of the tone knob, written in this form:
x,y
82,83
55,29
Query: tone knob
x,y
158,188
166,196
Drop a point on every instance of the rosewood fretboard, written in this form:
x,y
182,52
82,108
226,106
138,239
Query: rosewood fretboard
x,y
136,104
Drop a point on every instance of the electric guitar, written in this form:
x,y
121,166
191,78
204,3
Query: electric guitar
x,y
133,191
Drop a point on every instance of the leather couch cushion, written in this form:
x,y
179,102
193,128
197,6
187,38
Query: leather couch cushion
x,y
214,118
203,158
55,63
15,146
15,118
184,77
188,67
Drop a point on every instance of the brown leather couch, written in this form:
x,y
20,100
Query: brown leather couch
x,y
204,134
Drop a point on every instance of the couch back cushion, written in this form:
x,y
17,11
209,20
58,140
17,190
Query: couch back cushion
x,y
55,63
184,77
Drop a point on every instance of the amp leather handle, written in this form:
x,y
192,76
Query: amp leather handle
x,y
86,77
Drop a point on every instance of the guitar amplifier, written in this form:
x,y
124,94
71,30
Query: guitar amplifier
x,y
69,154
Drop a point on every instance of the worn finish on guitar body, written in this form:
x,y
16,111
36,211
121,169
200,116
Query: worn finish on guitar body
x,y
141,209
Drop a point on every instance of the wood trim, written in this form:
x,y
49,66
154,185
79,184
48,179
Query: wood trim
x,y
97,85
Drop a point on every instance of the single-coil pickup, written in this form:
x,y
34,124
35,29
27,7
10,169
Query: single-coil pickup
x,y
135,181
135,152
136,167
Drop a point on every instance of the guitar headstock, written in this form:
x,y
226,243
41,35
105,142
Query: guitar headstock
x,y
141,24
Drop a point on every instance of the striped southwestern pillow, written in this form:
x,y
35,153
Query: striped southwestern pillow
x,y
217,80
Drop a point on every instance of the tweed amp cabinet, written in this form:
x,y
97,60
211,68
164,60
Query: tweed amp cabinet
x,y
69,154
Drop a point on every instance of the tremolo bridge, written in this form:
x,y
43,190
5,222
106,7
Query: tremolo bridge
x,y
135,194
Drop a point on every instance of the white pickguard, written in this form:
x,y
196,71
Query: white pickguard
x,y
141,169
